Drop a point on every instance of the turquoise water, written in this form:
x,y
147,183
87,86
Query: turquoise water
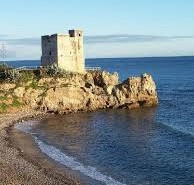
x,y
153,146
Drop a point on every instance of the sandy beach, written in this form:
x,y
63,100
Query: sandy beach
x,y
18,168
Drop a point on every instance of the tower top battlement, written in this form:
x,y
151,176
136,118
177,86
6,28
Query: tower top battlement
x,y
71,33
76,33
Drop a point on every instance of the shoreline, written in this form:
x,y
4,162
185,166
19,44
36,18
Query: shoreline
x,y
16,167
64,94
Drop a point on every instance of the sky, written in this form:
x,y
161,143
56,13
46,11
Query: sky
x,y
112,28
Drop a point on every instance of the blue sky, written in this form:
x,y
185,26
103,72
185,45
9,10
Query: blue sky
x,y
113,28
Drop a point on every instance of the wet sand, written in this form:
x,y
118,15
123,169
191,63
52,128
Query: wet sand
x,y
21,162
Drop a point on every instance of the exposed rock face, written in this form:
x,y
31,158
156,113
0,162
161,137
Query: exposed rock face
x,y
137,91
19,92
90,91
7,86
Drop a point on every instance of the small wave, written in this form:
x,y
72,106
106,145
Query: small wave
x,y
70,162
65,160
178,129
26,126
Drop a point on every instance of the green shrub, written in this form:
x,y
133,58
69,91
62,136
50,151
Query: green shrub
x,y
16,103
7,73
3,107
55,71
3,98
52,70
34,85
44,94
25,76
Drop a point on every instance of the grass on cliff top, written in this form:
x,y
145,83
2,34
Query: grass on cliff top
x,y
9,74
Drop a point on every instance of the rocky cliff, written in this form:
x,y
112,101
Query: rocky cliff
x,y
81,92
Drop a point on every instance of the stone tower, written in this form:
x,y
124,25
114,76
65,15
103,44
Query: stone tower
x,y
64,50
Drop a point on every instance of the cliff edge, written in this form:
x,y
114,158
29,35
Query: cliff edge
x,y
80,92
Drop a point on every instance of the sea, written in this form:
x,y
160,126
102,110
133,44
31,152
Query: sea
x,y
145,146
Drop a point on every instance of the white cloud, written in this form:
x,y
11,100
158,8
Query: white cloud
x,y
121,45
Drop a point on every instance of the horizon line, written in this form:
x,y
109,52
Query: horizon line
x,y
91,58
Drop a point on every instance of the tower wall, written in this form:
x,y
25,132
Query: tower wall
x,y
64,50
49,50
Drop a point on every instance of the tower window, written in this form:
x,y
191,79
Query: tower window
x,y
50,53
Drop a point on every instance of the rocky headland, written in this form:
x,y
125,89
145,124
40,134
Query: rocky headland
x,y
34,93
78,92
